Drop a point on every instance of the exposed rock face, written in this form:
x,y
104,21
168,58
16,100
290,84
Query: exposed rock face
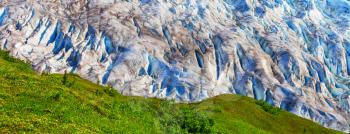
x,y
294,54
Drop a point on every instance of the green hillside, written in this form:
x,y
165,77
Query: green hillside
x,y
35,103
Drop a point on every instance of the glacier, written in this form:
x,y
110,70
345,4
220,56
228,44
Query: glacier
x,y
294,54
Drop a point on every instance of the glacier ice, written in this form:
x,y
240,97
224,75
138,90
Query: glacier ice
x,y
294,54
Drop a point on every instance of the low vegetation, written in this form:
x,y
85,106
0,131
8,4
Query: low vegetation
x,y
55,103
268,108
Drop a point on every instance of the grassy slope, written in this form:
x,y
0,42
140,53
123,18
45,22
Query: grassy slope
x,y
41,103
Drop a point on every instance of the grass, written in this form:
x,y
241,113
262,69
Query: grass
x,y
34,103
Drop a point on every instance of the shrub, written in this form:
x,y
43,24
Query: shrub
x,y
110,91
268,108
65,77
183,119
194,121
6,56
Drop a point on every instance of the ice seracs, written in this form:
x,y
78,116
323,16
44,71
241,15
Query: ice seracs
x,y
292,54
